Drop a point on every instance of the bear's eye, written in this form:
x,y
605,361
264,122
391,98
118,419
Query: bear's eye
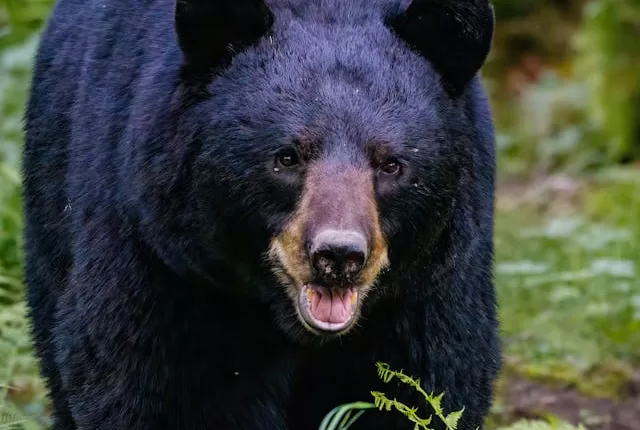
x,y
390,167
287,158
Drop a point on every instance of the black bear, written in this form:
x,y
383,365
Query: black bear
x,y
235,208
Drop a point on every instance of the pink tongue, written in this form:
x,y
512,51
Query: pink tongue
x,y
331,306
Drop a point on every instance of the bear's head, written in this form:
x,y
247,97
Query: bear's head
x,y
330,137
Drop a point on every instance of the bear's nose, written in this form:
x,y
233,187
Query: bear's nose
x,y
338,256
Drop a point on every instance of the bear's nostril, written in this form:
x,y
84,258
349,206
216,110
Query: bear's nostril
x,y
324,262
338,255
353,261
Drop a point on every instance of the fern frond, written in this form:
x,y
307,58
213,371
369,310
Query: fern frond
x,y
384,403
387,374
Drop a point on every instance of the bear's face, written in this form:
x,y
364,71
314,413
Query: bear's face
x,y
338,147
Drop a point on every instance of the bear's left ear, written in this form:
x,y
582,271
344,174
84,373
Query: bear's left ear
x,y
454,35
210,32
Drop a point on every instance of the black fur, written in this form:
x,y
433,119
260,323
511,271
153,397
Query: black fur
x,y
150,204
210,32
465,28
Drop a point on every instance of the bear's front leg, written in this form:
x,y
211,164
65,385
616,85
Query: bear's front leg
x,y
139,348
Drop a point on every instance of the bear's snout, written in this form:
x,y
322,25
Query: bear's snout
x,y
332,250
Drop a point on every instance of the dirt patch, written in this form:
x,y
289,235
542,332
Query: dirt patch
x,y
533,400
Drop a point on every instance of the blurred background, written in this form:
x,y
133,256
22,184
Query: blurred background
x,y
564,78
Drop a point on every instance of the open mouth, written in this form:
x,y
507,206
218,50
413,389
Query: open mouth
x,y
328,310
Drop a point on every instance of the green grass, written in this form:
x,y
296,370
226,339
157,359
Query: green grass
x,y
569,288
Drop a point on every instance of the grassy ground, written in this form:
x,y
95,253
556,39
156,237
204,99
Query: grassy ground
x,y
566,273
567,280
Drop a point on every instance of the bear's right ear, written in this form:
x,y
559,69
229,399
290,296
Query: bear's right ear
x,y
210,32
454,35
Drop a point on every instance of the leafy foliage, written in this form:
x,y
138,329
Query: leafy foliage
x,y
20,19
341,418
609,60
22,403
382,402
